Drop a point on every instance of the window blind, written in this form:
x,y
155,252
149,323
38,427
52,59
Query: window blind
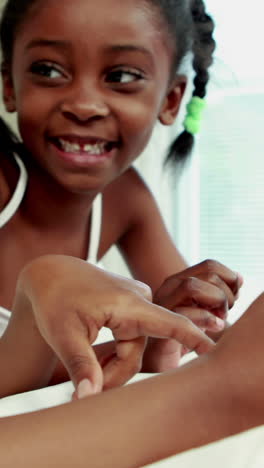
x,y
232,183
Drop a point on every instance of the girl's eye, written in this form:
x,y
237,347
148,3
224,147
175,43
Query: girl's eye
x,y
46,70
123,76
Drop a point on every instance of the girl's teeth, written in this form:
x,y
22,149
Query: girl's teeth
x,y
97,149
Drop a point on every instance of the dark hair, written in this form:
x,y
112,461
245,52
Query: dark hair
x,y
12,17
192,30
188,25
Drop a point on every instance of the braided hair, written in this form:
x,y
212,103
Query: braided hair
x,y
203,48
192,30
13,16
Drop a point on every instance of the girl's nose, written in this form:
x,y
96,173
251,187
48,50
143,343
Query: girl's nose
x,y
84,105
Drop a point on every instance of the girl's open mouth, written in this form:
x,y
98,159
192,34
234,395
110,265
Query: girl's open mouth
x,y
97,149
83,151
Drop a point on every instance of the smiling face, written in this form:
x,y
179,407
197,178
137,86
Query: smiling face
x,y
88,85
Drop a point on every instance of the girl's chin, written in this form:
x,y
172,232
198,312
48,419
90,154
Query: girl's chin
x,y
81,183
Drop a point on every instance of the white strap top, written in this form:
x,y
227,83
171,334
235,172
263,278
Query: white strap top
x,y
13,205
95,233
17,196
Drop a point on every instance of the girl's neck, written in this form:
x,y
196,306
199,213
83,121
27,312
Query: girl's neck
x,y
47,205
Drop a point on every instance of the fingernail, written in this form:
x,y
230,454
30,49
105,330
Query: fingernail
x,y
84,389
220,324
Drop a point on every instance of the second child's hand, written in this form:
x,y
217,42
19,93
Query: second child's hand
x,y
204,293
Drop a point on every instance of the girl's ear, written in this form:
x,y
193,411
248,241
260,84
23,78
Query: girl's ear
x,y
8,92
172,101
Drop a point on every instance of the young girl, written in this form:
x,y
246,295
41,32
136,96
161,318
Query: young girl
x,y
88,81
88,88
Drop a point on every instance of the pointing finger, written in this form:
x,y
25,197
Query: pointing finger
x,y
152,320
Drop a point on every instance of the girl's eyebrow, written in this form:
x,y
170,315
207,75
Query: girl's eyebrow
x,y
64,45
130,48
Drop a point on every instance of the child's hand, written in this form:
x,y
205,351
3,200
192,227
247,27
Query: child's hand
x,y
72,300
220,290
203,293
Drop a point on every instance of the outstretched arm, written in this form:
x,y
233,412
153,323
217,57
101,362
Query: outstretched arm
x,y
215,396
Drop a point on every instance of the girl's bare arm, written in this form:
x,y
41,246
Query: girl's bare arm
x,y
26,361
213,397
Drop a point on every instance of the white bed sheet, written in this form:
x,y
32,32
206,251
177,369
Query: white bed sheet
x,y
36,400
244,450
43,398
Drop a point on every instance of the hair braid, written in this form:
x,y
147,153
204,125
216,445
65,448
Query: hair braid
x,y
203,48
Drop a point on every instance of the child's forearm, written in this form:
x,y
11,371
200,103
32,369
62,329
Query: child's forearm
x,y
212,397
127,427
26,361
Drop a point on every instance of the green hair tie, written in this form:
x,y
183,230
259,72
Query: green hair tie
x,y
192,122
